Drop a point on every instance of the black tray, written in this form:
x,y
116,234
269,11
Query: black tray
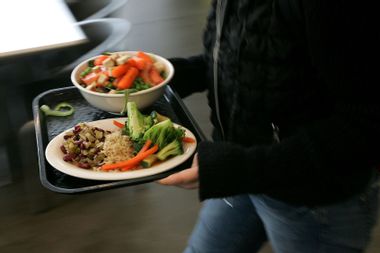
x,y
47,128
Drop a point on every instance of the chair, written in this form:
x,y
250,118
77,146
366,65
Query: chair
x,y
106,34
51,70
54,65
38,198
90,9
34,74
103,35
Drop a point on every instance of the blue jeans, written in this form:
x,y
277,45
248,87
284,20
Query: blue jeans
x,y
243,223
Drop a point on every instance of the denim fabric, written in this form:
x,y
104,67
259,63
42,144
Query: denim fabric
x,y
242,223
227,226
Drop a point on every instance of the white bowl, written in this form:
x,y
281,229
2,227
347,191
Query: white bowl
x,y
115,102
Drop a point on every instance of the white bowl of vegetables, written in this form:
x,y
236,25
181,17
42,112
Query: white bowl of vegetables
x,y
107,81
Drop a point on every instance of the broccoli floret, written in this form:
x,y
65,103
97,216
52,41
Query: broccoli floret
x,y
172,149
163,133
137,122
157,117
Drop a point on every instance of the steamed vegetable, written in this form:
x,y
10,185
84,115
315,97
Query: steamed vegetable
x,y
146,140
137,123
135,160
157,117
148,162
172,149
156,129
118,124
163,133
188,139
126,97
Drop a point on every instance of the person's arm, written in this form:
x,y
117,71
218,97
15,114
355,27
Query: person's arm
x,y
190,75
330,159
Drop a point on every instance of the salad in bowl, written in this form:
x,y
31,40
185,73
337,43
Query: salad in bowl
x,y
104,80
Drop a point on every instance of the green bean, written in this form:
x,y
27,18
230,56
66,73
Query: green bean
x,y
57,111
86,72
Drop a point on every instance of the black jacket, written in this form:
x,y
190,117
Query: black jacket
x,y
317,83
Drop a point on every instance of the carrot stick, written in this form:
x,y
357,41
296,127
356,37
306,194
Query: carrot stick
x,y
99,61
145,147
142,150
144,74
129,167
144,56
134,160
118,124
138,62
120,70
188,139
155,76
127,80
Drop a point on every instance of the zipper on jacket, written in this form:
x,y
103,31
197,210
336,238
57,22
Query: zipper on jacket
x,y
276,133
220,11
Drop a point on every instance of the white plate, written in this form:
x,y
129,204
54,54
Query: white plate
x,y
54,156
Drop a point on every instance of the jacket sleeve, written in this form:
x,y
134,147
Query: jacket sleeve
x,y
189,75
328,160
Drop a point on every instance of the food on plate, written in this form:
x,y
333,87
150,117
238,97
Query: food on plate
x,y
117,147
82,146
140,142
119,71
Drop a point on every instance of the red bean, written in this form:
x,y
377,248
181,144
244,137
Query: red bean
x,y
67,136
84,165
77,129
69,157
63,149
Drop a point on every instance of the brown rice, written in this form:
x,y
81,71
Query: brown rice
x,y
117,147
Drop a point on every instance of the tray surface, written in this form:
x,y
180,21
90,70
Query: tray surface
x,y
48,127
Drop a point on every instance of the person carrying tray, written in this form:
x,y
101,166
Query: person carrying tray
x,y
296,111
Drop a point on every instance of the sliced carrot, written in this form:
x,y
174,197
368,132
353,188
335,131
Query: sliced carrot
x,y
127,80
134,160
144,56
188,139
99,61
118,124
155,76
120,70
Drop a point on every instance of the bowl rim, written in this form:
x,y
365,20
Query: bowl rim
x,y
157,57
